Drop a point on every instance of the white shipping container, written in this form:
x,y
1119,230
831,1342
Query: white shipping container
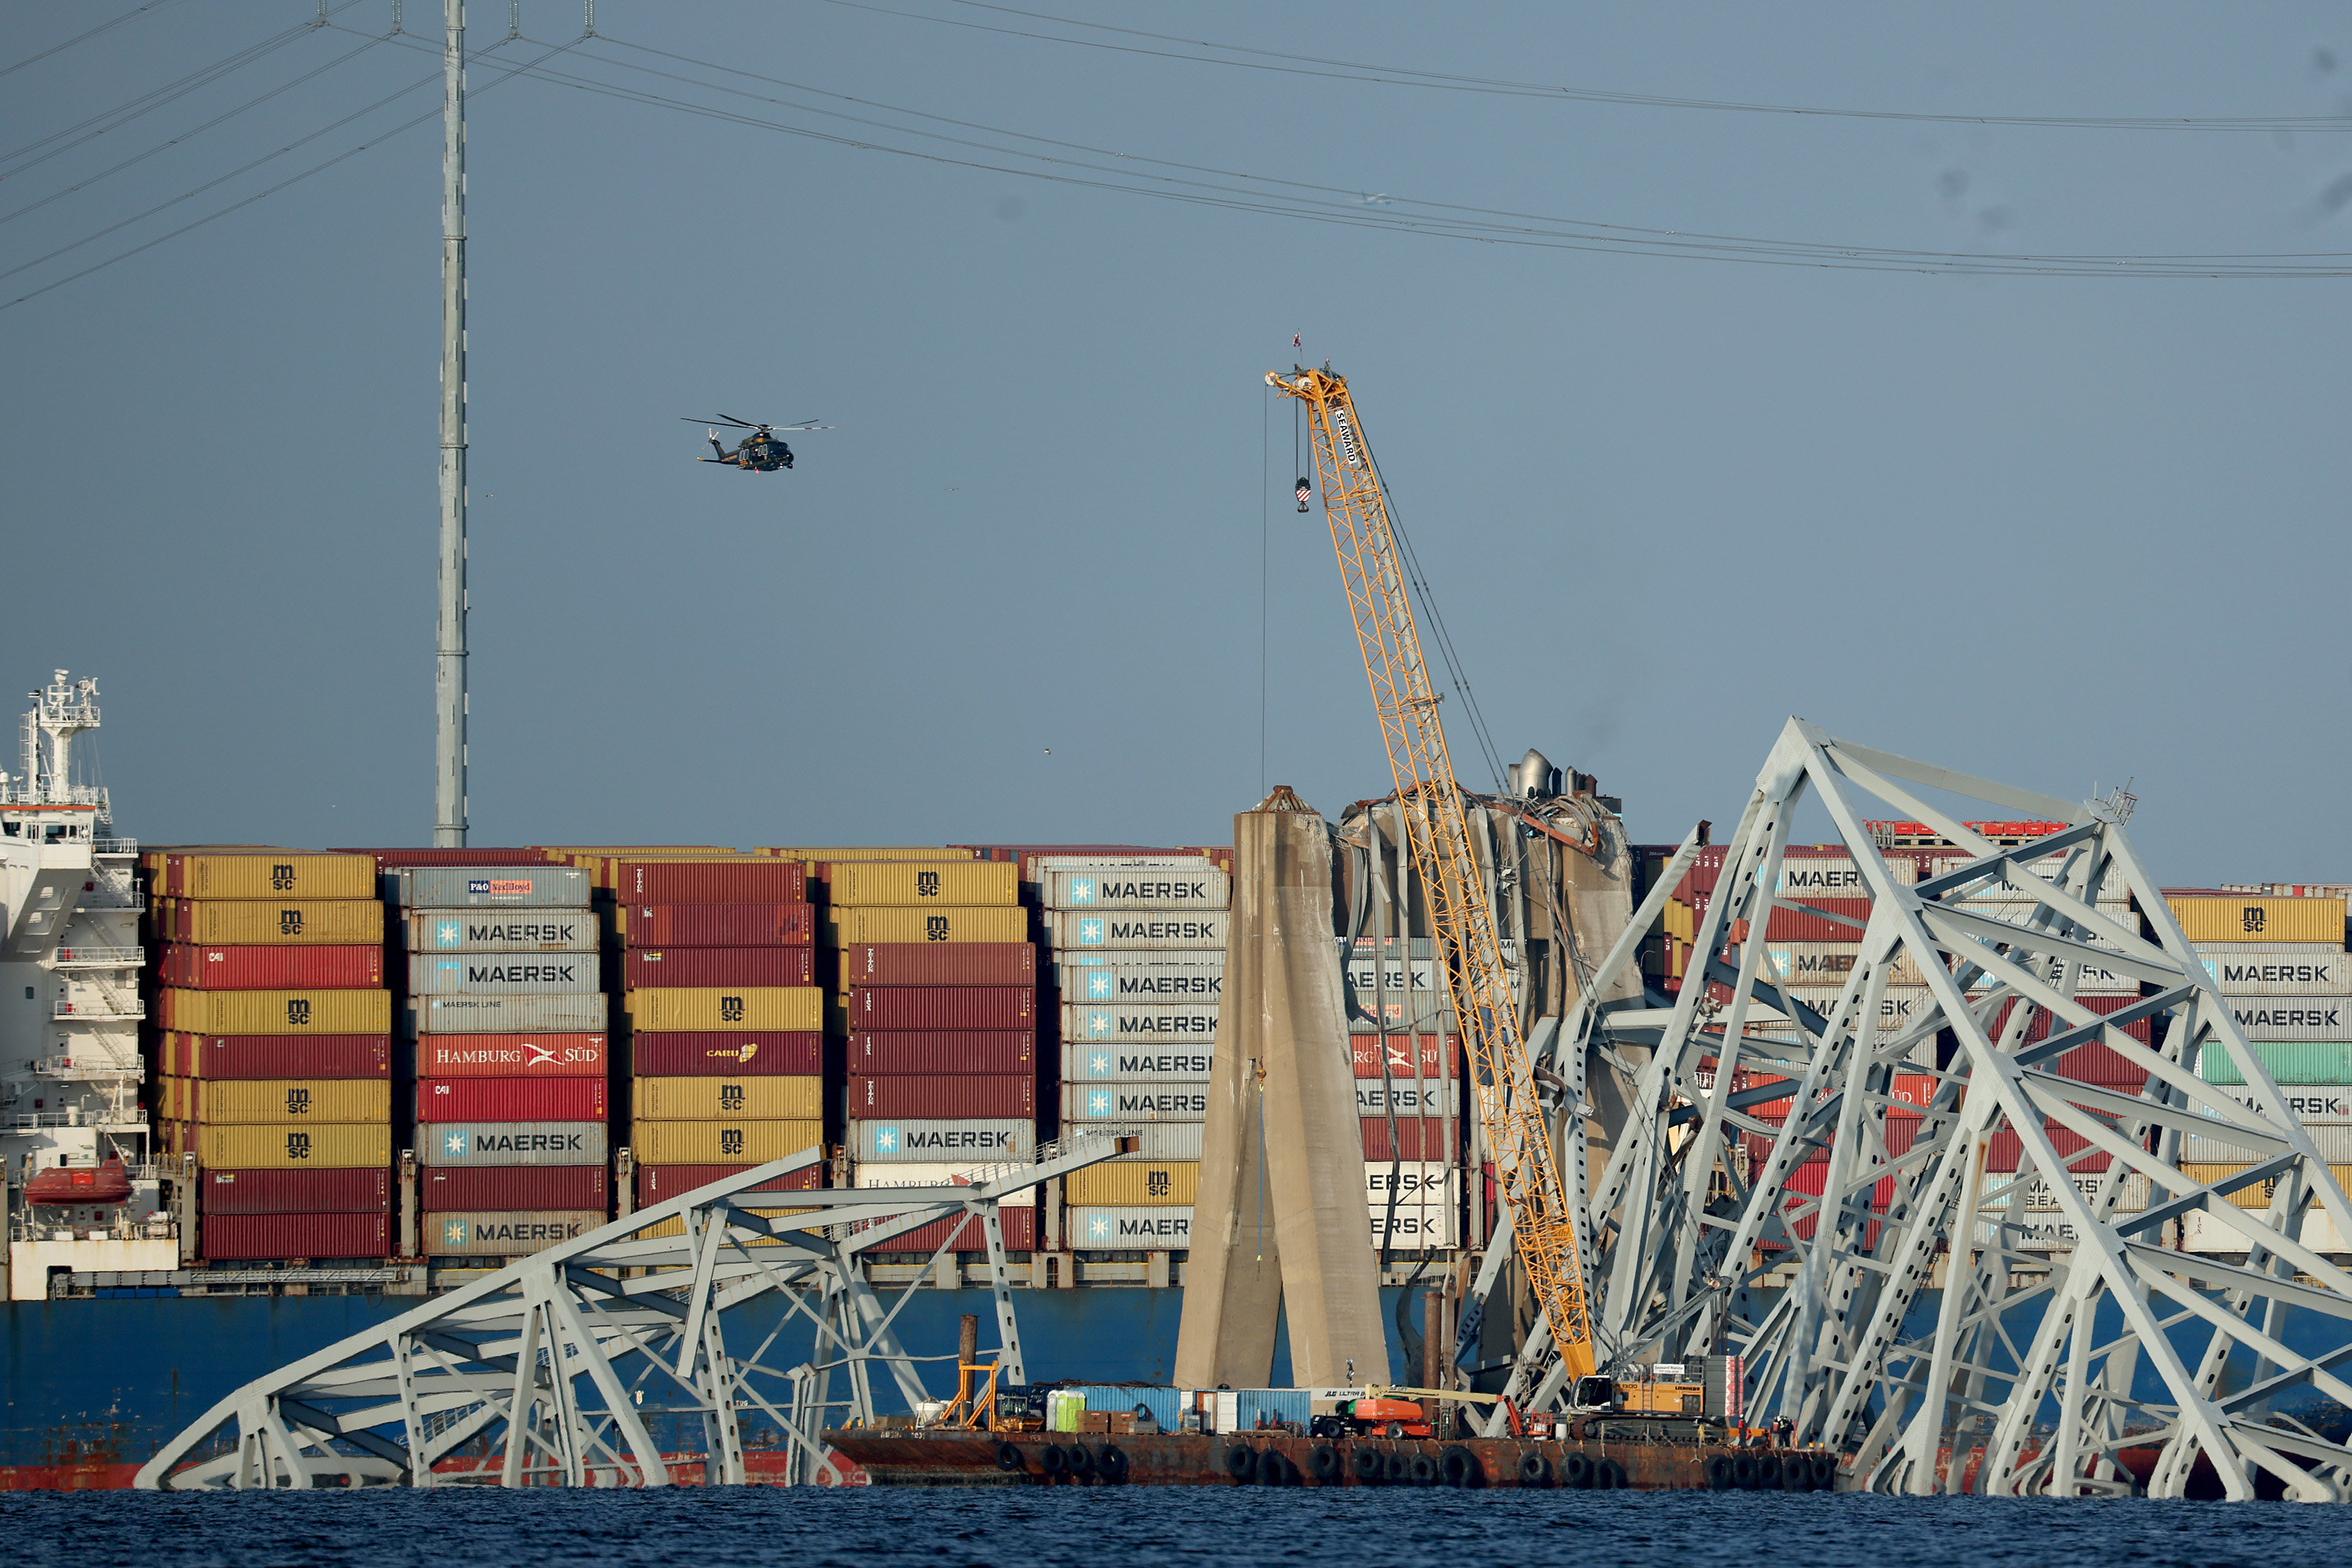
x,y
1416,1181
1431,1097
1144,930
2001,1190
495,930
1128,982
510,1143
493,887
1043,864
1088,1063
502,974
505,1234
1067,963
930,1142
2214,1235
2046,869
1415,1227
934,1175
1111,886
1810,878
533,1014
2278,971
2309,1103
1140,1023
2292,1017
1127,1229
1083,1102
1158,1143
2332,1137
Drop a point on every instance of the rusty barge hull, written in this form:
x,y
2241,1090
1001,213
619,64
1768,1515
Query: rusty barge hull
x,y
896,1457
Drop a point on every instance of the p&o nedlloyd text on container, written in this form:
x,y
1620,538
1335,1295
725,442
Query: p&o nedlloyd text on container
x,y
1145,930
501,887
472,931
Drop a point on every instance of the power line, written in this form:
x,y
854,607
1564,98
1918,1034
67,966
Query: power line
x,y
82,37
1407,75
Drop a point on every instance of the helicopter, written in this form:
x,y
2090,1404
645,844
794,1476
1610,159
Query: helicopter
x,y
760,452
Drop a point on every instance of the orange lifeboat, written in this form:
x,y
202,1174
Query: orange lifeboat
x,y
107,1182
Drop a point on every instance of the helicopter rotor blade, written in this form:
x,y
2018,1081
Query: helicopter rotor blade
x,y
747,424
722,419
809,425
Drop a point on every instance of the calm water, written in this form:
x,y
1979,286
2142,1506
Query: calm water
x,y
1147,1527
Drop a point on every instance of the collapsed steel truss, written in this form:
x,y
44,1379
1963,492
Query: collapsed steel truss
x,y
553,1370
2072,1326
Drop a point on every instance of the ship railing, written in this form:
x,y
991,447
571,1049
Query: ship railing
x,y
98,1010
34,1120
66,1069
114,846
112,892
84,957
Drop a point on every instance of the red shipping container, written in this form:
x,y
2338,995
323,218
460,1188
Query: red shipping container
x,y
889,1054
1439,1053
510,1099
1788,925
391,860
721,966
714,1053
657,1183
943,1099
758,880
240,1237
1019,1232
511,1056
939,963
475,1189
2140,1029
276,1056
2006,1149
1426,1138
294,1191
719,925
943,1008
271,968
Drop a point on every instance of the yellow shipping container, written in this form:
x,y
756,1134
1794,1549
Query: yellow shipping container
x,y
711,1099
676,1225
805,854
2254,1194
221,1102
796,1007
2230,918
270,874
337,1146
852,926
347,922
279,1012
1144,1185
723,1143
922,885
1681,919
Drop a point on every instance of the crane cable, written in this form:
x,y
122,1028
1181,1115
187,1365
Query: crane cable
x,y
81,38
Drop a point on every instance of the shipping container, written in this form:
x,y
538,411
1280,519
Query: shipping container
x,y
2276,971
1440,1097
226,1102
189,967
2002,1189
359,1190
1129,982
2254,1194
915,884
942,1176
1161,1183
1137,888
948,964
726,1052
239,1238
269,874
676,1225
826,855
278,1012
2287,1061
230,922
276,1056
767,1098
510,1099
719,1142
716,925
906,1142
511,1233
1144,932
2302,1018
938,1008
2262,920
1072,963
2332,1137
721,966
1017,1228
511,1056
1439,1055
1013,1095
502,974
500,886
1426,1139
393,860
1414,1228
457,1189
1161,1141
1416,1184
748,880
284,1146
1084,1061
1140,1023
657,1183
1824,964
507,1015
791,1008
472,931
864,924
510,1143
1083,1102
2313,1104
1127,1229
968,1052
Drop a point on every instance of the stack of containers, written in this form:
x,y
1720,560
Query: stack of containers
x,y
2280,964
1406,1054
935,1002
724,1019
1137,947
510,1056
275,1053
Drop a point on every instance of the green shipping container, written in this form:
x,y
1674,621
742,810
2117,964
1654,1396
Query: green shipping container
x,y
2288,1061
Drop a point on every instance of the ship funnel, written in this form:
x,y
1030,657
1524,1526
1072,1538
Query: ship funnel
x,y
1534,777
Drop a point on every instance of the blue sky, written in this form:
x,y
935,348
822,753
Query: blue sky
x,y
2053,529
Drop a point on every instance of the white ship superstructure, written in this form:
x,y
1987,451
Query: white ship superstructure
x,y
69,1007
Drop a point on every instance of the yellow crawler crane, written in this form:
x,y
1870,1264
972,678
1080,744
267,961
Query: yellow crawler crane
x,y
1543,1228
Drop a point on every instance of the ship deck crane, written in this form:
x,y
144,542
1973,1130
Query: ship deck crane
x,y
1462,912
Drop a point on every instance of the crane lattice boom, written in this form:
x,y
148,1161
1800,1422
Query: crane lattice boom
x,y
1463,915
